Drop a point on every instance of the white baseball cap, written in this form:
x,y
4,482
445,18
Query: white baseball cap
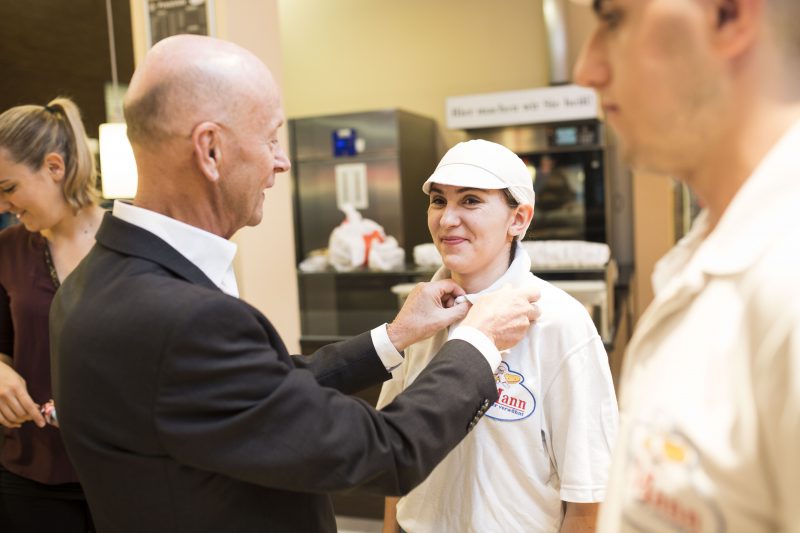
x,y
484,165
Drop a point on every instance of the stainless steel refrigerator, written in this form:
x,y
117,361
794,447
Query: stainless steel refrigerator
x,y
377,161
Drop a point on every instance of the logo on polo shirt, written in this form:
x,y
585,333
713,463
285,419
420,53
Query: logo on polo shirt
x,y
668,490
515,401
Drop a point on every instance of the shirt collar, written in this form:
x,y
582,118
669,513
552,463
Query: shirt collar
x,y
212,254
520,266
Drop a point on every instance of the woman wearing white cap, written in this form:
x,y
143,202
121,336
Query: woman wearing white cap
x,y
538,461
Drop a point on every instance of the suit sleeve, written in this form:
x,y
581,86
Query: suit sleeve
x,y
391,389
348,366
228,402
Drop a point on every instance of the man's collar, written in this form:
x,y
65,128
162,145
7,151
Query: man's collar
x,y
129,239
212,254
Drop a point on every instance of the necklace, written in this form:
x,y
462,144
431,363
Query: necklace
x,y
48,259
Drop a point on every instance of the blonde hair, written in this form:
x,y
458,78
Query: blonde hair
x,y
30,132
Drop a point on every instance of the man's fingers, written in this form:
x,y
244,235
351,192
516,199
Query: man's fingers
x,y
447,287
428,308
531,293
448,301
458,311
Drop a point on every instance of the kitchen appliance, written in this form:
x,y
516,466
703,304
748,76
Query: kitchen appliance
x,y
583,193
377,161
580,194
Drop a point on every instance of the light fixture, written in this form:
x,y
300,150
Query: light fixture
x,y
116,161
118,172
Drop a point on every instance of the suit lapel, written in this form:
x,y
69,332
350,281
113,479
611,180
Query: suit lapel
x,y
128,239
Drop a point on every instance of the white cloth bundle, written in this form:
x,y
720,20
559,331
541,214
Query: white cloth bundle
x,y
426,255
386,255
350,241
560,254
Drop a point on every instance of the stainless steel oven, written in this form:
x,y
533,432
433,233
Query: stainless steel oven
x,y
582,192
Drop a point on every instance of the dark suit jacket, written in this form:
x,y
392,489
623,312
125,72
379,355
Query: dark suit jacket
x,y
182,410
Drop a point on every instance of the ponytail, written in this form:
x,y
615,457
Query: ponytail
x,y
30,132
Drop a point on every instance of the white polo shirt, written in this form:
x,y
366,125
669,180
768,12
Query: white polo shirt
x,y
710,394
547,438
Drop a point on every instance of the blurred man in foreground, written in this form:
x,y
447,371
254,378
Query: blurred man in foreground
x,y
708,91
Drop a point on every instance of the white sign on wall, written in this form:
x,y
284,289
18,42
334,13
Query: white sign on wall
x,y
165,18
532,106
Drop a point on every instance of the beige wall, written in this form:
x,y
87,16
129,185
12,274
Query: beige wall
x,y
358,55
265,261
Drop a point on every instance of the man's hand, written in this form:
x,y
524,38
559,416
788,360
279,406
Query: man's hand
x,y
505,315
429,308
16,405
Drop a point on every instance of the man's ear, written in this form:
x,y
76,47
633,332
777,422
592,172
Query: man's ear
x,y
736,25
207,143
54,164
522,217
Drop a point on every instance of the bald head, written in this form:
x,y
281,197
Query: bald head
x,y
203,118
188,79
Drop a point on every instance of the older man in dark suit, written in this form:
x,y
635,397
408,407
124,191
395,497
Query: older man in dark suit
x,y
178,402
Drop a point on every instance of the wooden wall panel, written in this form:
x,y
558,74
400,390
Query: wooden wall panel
x,y
60,47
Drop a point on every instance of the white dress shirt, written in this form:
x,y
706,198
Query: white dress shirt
x,y
212,254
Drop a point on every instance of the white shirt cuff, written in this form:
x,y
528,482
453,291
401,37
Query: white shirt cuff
x,y
387,353
480,341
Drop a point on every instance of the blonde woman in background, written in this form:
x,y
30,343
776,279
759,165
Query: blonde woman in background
x,y
539,459
48,182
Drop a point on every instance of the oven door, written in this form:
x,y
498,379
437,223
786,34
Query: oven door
x,y
570,195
